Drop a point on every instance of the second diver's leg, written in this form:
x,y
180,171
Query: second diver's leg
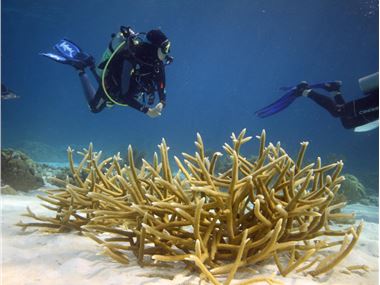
x,y
327,103
333,88
338,98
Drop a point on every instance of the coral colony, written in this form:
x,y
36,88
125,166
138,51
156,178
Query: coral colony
x,y
216,223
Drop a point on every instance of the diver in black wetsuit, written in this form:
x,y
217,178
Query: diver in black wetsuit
x,y
137,72
132,70
361,114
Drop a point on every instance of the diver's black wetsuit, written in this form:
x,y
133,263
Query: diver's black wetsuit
x,y
353,113
147,76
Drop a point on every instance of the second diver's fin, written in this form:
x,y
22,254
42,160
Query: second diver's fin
x,y
279,104
70,53
289,97
321,85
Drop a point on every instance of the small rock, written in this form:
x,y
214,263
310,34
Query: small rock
x,y
8,190
19,171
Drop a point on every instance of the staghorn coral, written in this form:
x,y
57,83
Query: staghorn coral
x,y
272,208
224,163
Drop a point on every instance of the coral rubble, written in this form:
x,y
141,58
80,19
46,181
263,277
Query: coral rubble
x,y
272,208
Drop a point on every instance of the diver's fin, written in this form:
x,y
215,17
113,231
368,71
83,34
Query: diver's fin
x,y
70,53
279,104
68,49
74,54
54,57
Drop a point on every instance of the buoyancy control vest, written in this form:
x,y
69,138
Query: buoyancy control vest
x,y
115,69
119,62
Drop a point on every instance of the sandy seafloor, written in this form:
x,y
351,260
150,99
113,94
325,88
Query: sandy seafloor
x,y
33,257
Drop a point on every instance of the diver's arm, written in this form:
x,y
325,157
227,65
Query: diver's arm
x,y
151,112
135,104
131,101
130,98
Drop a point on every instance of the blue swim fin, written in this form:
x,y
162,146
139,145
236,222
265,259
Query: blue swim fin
x,y
289,97
321,85
70,50
70,53
54,57
279,104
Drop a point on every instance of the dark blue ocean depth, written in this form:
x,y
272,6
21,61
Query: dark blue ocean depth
x,y
231,57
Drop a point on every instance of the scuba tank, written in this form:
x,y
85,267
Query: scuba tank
x,y
121,38
114,43
369,83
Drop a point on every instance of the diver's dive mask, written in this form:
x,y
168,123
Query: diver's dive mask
x,y
165,49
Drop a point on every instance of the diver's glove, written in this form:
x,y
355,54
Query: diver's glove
x,y
156,111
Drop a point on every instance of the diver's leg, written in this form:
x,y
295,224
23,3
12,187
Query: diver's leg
x,y
333,88
89,90
131,97
338,98
99,102
95,99
326,102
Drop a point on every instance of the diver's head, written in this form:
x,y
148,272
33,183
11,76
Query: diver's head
x,y
159,40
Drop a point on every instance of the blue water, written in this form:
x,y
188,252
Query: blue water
x,y
231,57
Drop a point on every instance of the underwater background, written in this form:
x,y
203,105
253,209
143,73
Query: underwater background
x,y
231,58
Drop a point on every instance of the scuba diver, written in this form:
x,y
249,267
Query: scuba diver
x,y
131,71
361,114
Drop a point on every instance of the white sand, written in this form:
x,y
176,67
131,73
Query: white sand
x,y
53,259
